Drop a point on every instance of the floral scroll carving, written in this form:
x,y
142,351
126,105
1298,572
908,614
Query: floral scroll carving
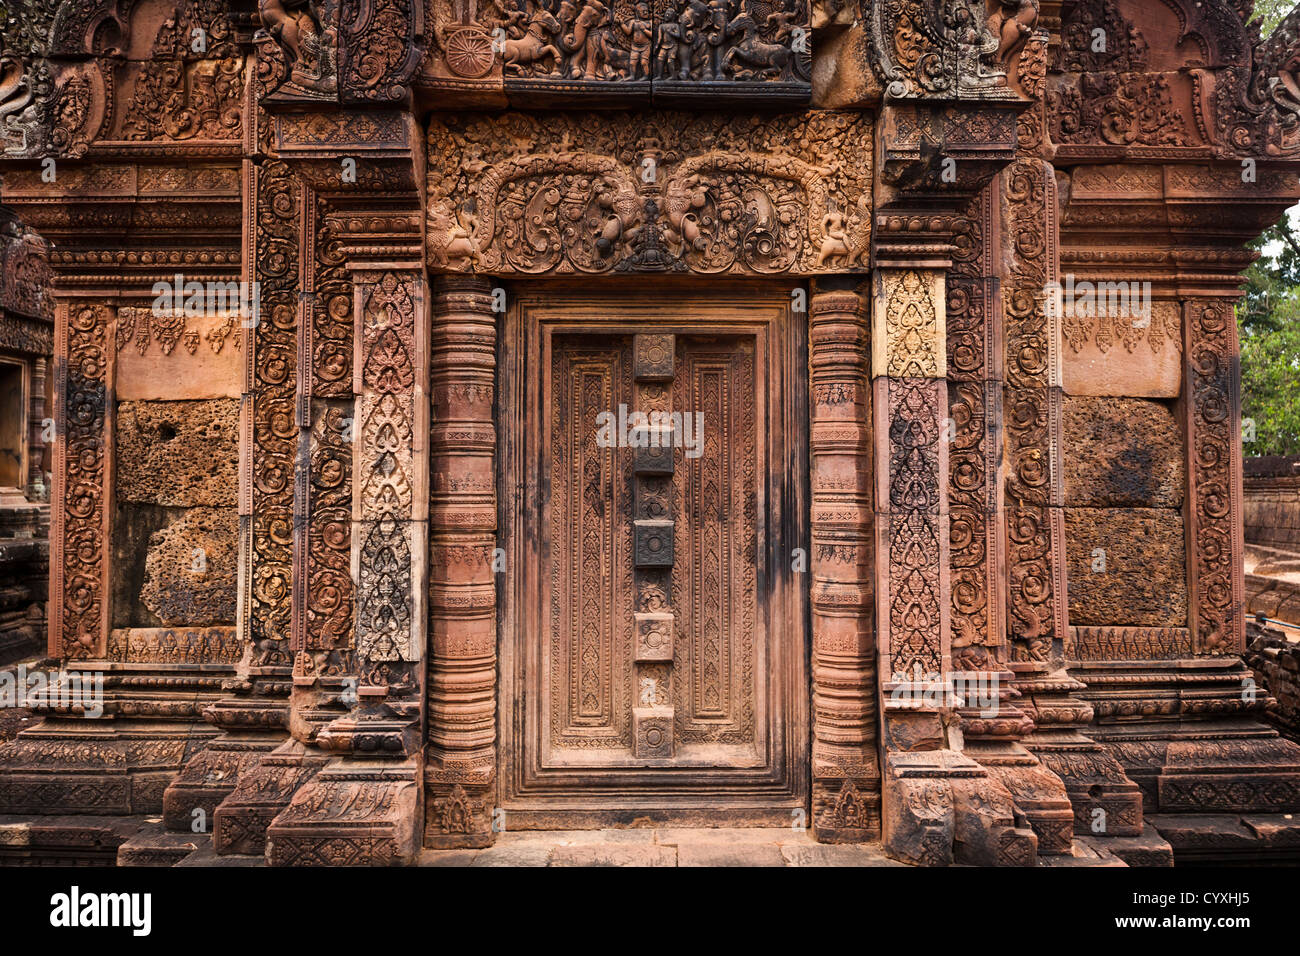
x,y
83,480
569,196
269,487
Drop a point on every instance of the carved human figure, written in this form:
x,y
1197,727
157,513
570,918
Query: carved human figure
x,y
679,42
461,248
1012,22
295,27
639,32
836,241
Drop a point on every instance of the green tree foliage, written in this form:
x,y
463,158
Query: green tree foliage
x,y
1270,385
1270,13
1269,321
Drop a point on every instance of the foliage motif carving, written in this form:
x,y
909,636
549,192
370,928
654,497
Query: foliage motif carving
x,y
275,433
516,195
80,523
386,482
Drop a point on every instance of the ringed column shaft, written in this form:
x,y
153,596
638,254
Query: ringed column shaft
x,y
846,770
461,758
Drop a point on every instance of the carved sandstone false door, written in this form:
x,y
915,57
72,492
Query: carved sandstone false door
x,y
654,640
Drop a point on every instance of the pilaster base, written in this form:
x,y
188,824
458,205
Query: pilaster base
x,y
458,812
1041,797
941,807
845,802
1189,734
352,813
64,766
1105,801
207,779
262,792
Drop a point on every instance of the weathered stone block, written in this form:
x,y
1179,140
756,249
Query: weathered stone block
x,y
1127,566
1142,356
178,453
191,569
177,356
1122,452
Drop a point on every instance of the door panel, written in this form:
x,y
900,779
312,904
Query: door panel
x,y
654,649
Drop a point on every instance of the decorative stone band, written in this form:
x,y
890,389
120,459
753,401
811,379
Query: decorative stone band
x,y
390,499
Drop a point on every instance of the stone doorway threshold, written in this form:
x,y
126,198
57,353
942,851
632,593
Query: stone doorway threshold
x,y
665,846
1232,839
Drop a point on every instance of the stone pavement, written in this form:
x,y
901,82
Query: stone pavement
x,y
670,846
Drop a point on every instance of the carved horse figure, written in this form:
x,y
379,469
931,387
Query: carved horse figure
x,y
752,50
534,46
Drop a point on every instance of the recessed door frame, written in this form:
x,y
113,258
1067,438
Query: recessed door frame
x,y
542,798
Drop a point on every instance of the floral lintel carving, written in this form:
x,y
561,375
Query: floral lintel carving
x,y
656,192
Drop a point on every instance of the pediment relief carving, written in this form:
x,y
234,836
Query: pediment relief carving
x,y
529,51
951,49
658,192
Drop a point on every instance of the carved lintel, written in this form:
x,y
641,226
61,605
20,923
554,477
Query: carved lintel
x,y
555,197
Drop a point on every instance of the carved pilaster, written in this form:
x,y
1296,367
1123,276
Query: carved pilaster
x,y
1035,521
461,755
82,464
1212,405
909,362
846,773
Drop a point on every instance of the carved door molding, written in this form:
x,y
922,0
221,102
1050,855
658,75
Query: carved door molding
x,y
685,707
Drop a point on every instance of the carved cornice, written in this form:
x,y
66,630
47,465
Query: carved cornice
x,y
129,225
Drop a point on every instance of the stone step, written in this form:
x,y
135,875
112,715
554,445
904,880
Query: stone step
x,y
153,845
1232,839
